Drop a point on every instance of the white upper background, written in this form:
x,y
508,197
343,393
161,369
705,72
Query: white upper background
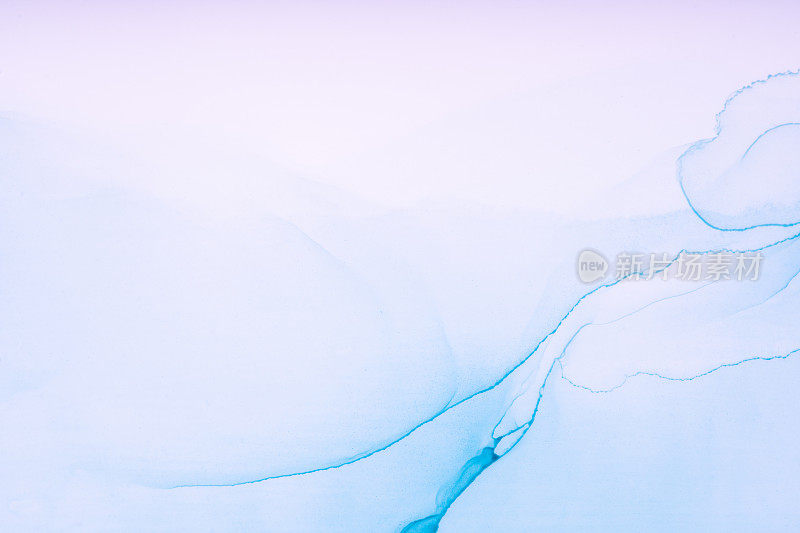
x,y
509,104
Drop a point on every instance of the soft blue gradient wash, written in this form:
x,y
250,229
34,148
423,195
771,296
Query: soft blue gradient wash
x,y
344,368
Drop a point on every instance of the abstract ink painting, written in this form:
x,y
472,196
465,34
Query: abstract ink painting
x,y
399,266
